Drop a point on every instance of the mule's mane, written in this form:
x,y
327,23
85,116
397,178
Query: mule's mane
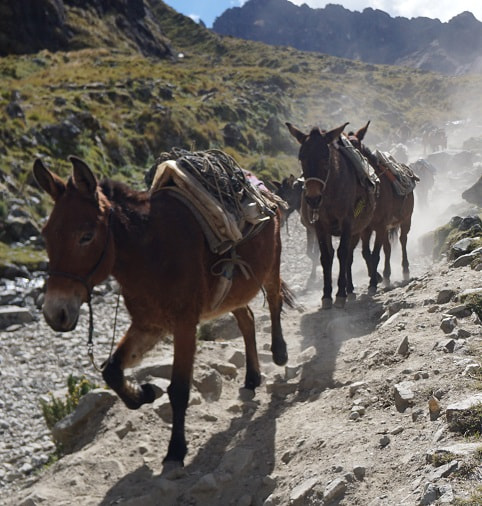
x,y
317,131
131,205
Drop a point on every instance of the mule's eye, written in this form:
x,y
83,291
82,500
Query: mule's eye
x,y
86,238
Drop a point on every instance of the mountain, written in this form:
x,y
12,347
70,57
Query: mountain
x,y
371,36
27,26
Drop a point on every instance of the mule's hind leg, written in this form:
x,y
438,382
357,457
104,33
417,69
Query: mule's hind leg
x,y
245,318
387,250
404,229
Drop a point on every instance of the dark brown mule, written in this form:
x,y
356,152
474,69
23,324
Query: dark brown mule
x,y
392,212
153,245
334,203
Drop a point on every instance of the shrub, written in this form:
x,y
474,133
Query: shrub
x,y
56,409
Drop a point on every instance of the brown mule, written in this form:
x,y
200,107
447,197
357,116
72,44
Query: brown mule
x,y
335,203
392,212
153,245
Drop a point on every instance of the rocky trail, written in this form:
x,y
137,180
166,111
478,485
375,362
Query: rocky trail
x,y
359,416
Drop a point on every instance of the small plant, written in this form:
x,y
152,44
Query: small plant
x,y
474,303
439,459
56,409
468,422
474,500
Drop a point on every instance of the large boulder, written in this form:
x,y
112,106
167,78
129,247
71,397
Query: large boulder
x,y
473,195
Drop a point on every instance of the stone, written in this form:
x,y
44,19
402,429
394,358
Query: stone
x,y
237,358
209,384
281,388
359,472
162,407
301,494
13,315
447,345
444,470
448,324
463,260
159,369
445,296
226,369
460,311
356,387
67,430
403,395
454,409
334,491
403,347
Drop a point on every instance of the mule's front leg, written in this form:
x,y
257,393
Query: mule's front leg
x,y
326,259
130,351
184,350
343,254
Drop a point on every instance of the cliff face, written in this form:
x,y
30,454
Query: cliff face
x,y
371,36
28,26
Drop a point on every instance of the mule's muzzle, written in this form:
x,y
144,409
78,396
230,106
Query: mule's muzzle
x,y
61,316
313,202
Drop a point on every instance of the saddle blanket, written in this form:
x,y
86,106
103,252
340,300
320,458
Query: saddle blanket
x,y
365,172
401,176
229,203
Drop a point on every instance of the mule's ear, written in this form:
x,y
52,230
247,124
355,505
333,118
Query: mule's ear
x,y
297,134
335,133
47,180
362,132
277,184
83,177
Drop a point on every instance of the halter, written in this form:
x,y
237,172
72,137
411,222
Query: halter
x,y
315,212
86,282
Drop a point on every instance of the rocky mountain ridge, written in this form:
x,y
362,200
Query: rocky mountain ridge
x,y
371,36
28,26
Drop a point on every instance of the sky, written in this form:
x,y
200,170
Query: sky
x,y
209,10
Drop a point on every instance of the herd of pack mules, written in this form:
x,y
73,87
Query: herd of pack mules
x,y
175,269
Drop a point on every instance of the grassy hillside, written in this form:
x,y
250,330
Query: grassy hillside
x,y
118,109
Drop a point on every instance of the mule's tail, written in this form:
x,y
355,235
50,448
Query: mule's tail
x,y
289,297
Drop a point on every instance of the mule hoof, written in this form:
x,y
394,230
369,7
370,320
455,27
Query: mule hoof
x,y
326,303
172,469
372,290
280,355
145,395
386,282
340,302
406,276
149,392
246,394
351,296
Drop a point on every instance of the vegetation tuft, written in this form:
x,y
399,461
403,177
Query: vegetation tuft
x,y
56,409
468,422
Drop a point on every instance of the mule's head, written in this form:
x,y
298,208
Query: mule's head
x,y
357,137
78,240
314,155
290,190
